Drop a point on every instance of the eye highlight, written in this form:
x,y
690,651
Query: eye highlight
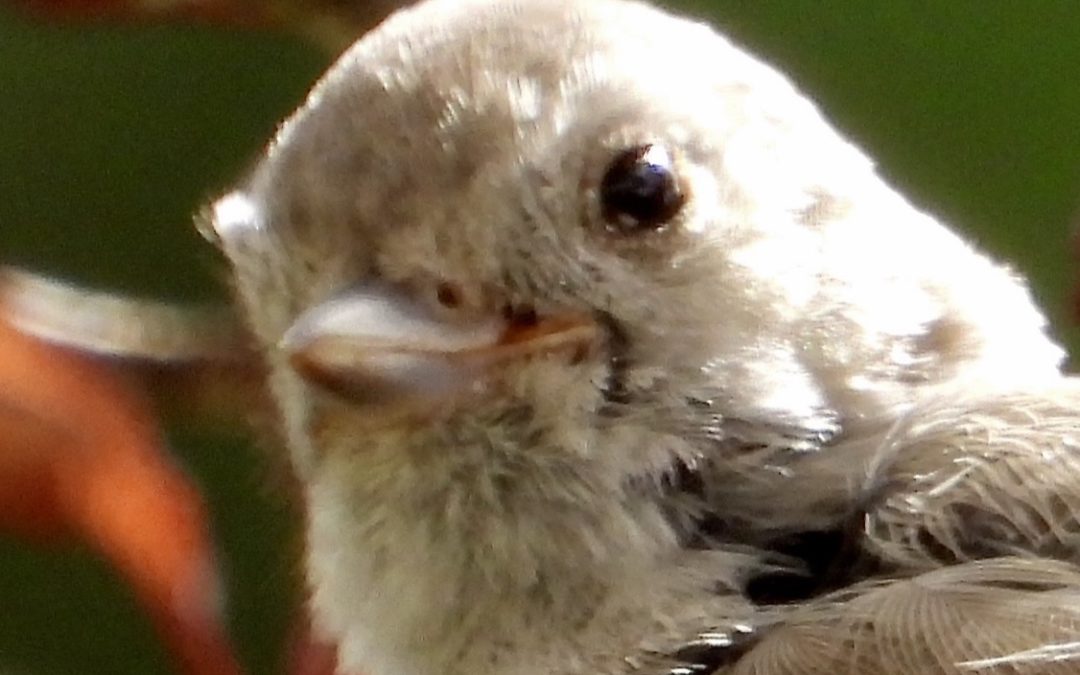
x,y
640,190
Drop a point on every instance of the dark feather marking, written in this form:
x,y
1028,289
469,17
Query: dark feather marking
x,y
616,393
807,564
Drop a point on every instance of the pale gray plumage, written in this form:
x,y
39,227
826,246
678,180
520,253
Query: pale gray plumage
x,y
534,439
1005,615
970,510
976,474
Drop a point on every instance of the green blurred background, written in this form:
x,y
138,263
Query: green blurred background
x,y
111,136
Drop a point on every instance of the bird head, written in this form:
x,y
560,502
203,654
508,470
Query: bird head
x,y
512,262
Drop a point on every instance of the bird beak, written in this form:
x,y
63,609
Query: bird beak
x,y
377,345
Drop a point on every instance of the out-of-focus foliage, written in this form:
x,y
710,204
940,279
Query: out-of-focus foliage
x,y
112,134
82,460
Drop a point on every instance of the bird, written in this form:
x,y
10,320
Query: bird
x,y
595,348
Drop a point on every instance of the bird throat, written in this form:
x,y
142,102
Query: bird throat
x,y
482,542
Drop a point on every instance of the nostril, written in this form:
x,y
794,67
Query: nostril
x,y
448,295
521,317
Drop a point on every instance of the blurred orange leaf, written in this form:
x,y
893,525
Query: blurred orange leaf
x,y
82,458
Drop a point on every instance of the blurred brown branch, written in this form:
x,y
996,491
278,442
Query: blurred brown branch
x,y
82,457
331,24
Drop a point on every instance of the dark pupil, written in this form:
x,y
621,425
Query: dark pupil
x,y
640,190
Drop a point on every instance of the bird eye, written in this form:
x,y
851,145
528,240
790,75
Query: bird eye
x,y
640,190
